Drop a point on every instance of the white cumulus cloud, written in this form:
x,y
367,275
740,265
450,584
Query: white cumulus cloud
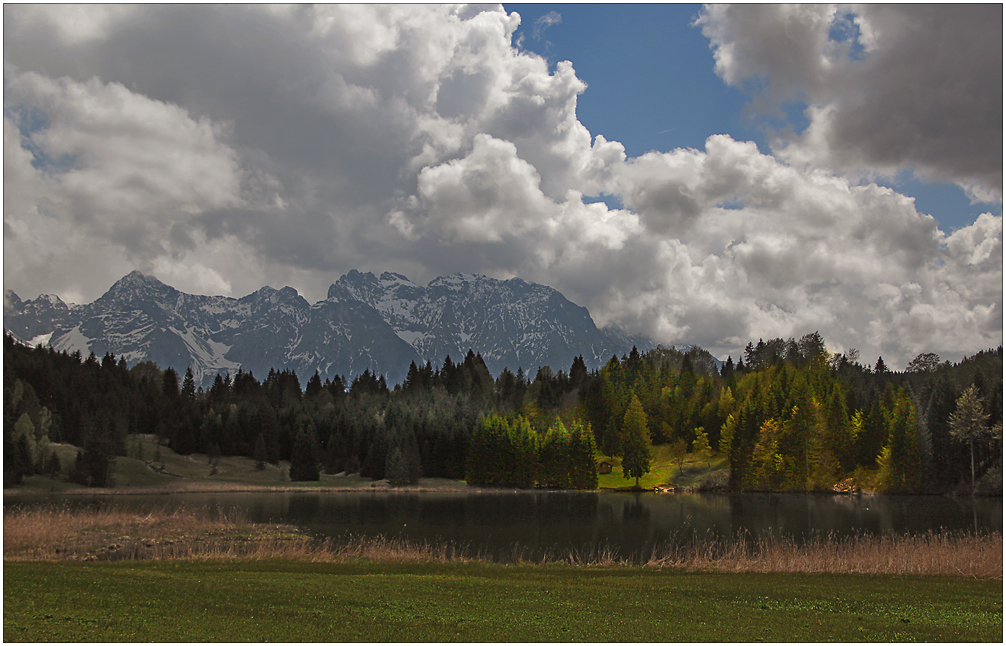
x,y
226,147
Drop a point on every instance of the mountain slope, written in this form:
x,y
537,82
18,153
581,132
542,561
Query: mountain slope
x,y
366,322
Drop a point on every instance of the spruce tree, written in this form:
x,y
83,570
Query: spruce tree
x,y
395,469
555,456
260,456
583,471
637,452
304,458
189,385
899,460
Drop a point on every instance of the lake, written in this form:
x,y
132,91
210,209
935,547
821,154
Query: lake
x,y
540,522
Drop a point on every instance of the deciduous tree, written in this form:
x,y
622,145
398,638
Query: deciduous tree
x,y
969,423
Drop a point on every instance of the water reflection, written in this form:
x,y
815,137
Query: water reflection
x,y
629,524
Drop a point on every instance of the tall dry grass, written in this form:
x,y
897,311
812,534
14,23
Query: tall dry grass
x,y
107,533
933,553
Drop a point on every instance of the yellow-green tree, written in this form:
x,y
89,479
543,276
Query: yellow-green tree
x,y
768,466
700,445
637,450
899,460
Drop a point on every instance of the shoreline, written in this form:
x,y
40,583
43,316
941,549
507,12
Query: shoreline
x,y
382,486
107,533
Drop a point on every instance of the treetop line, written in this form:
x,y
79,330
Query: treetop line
x,y
787,416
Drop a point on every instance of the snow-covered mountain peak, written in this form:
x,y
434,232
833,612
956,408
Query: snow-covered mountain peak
x,y
10,300
138,285
367,322
390,279
459,281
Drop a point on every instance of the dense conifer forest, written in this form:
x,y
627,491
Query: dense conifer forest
x,y
787,415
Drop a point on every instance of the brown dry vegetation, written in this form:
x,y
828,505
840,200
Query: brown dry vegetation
x,y
112,534
943,554
107,533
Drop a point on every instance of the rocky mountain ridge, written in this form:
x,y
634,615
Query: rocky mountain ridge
x,y
382,323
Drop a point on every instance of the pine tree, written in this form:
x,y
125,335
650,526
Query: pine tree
x,y
899,460
583,471
577,372
259,455
402,466
395,469
637,451
170,383
767,466
189,385
555,456
304,458
313,388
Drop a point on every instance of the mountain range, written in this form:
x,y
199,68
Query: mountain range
x,y
367,322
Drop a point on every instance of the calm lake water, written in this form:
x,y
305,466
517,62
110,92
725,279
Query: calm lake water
x,y
630,524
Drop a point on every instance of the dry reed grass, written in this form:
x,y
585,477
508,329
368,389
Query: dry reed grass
x,y
933,553
107,533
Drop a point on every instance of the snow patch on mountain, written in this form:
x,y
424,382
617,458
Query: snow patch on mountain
x,y
73,341
41,339
381,323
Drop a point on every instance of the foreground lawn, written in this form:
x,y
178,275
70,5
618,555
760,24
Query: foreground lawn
x,y
292,601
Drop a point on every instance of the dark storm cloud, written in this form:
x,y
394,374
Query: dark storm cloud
x,y
905,86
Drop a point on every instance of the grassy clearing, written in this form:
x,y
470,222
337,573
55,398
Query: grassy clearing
x,y
293,601
665,471
173,473
139,473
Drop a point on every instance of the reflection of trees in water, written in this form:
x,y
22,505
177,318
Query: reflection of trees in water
x,y
634,511
556,522
305,507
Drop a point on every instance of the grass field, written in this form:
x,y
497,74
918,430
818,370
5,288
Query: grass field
x,y
194,473
664,471
105,574
185,473
294,601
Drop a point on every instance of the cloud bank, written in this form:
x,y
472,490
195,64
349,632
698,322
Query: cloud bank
x,y
888,87
226,147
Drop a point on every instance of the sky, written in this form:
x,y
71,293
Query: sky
x,y
699,175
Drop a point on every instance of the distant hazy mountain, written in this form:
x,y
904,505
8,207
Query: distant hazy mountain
x,y
382,324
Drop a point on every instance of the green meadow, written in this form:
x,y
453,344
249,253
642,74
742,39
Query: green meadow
x,y
292,601
173,472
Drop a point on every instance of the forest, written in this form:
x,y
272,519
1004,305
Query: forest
x,y
788,416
